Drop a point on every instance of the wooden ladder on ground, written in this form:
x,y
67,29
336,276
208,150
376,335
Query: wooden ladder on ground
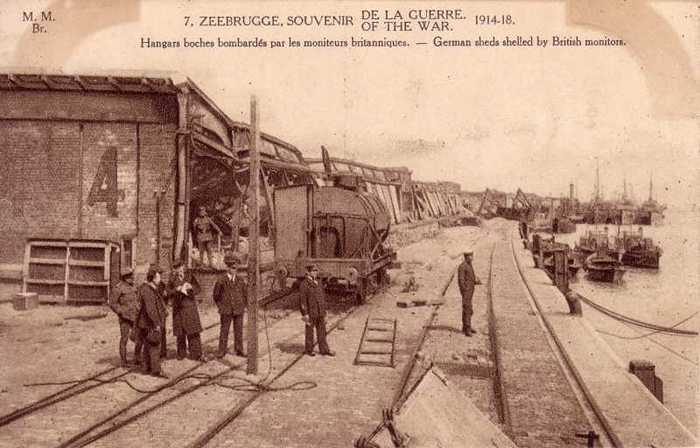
x,y
378,343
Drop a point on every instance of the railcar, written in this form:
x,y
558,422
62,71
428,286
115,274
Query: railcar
x,y
341,228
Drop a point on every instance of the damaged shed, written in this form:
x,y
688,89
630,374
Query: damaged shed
x,y
103,175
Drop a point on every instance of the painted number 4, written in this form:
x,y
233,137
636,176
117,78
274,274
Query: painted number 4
x,y
104,187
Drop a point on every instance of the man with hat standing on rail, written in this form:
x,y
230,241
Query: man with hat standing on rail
x,y
125,304
231,298
466,280
312,302
151,320
182,290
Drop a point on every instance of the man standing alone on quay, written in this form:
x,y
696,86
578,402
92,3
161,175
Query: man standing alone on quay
x,y
182,290
231,298
150,321
466,280
125,304
312,301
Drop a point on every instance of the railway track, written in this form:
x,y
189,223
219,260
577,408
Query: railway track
x,y
109,376
401,394
590,408
233,413
79,387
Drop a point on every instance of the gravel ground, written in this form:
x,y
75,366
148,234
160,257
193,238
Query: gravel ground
x,y
346,400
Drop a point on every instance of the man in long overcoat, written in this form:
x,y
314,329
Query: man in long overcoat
x,y
150,321
231,298
466,280
182,290
124,301
312,304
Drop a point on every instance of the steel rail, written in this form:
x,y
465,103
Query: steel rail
x,y
72,391
235,412
85,437
602,421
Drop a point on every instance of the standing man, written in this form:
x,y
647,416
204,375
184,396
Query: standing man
x,y
203,226
150,321
466,280
312,301
231,298
182,290
125,304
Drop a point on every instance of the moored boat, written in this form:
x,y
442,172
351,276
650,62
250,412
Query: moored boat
x,y
601,267
637,250
591,242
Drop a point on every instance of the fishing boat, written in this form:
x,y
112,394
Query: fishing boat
x,y
601,267
591,242
637,250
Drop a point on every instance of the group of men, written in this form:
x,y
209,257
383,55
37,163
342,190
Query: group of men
x,y
142,314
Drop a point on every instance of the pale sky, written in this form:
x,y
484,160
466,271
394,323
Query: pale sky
x,y
492,117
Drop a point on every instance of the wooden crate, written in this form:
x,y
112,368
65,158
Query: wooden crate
x,y
70,271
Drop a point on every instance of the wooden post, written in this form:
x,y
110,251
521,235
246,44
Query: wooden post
x,y
253,247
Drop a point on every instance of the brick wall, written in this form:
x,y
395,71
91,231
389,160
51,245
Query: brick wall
x,y
38,183
47,190
157,150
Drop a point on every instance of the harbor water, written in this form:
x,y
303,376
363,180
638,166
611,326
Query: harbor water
x,y
665,297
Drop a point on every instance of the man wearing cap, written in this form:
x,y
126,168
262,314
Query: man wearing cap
x,y
125,304
150,321
203,226
231,298
312,302
182,291
466,280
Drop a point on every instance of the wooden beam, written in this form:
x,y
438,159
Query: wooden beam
x,y
253,247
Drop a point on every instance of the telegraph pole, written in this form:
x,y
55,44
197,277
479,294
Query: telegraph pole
x,y
253,247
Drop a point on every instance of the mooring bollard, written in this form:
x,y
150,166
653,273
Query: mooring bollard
x,y
572,299
561,270
645,371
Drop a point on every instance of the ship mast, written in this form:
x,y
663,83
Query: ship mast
x,y
597,180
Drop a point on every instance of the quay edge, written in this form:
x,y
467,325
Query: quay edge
x,y
629,412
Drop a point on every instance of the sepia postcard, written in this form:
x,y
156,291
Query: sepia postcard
x,y
349,223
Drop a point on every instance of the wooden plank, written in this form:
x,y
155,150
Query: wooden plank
x,y
106,263
88,283
25,266
86,263
86,244
268,198
46,261
43,281
66,272
48,243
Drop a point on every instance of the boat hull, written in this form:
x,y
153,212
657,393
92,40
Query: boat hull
x,y
606,275
641,260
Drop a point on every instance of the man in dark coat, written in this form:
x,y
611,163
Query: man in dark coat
x,y
150,320
231,298
125,304
312,303
182,290
466,281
